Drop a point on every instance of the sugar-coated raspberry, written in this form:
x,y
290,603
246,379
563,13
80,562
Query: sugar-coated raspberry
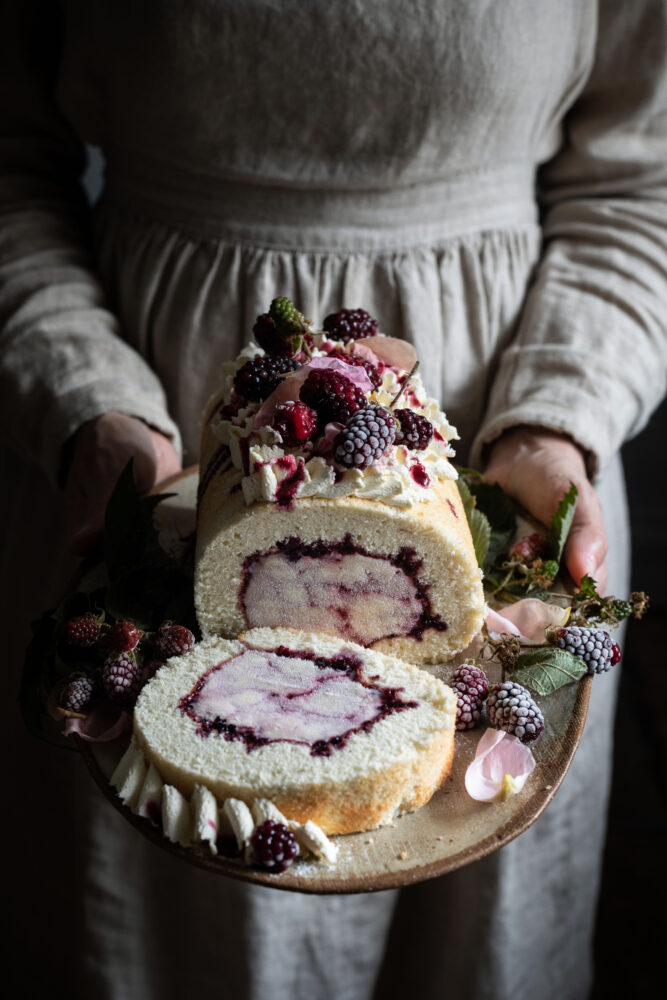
x,y
529,548
84,630
173,640
373,372
123,636
295,422
332,396
365,438
414,430
258,378
77,694
273,846
592,645
122,679
350,324
510,707
472,687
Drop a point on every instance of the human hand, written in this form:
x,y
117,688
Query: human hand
x,y
101,449
535,467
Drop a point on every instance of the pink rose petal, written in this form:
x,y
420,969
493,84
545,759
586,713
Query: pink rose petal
x,y
526,619
365,352
290,387
102,724
326,442
394,352
498,754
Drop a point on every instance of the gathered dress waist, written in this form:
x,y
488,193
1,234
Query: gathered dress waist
x,y
320,218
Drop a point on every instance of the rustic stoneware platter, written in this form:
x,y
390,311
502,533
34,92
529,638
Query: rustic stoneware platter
x,y
452,830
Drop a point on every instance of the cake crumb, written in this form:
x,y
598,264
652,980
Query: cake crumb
x,y
371,840
548,788
439,838
403,855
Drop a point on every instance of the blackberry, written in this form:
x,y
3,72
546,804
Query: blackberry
x,y
592,645
350,324
77,694
365,437
529,548
510,707
287,317
333,396
173,640
270,338
414,430
123,636
258,378
273,846
472,687
82,631
121,679
372,370
295,422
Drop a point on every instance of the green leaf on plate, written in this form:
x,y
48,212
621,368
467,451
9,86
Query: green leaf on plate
x,y
130,538
480,529
561,522
544,670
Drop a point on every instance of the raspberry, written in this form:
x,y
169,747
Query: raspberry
x,y
349,324
365,437
258,378
529,548
287,317
77,694
592,645
121,679
295,422
333,396
510,707
173,640
84,630
414,430
123,636
472,687
372,370
273,846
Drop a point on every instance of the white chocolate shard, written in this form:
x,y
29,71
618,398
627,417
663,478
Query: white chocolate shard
x,y
205,816
149,800
310,837
241,821
129,775
176,816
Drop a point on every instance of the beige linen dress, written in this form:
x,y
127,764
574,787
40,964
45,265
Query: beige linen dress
x,y
486,178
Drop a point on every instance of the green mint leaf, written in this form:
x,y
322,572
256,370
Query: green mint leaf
x,y
561,522
544,670
129,533
480,529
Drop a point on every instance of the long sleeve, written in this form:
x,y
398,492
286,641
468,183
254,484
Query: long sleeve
x,y
62,361
590,354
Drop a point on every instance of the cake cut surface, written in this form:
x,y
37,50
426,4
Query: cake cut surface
x,y
327,730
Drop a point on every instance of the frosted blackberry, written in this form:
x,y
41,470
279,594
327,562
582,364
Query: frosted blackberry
x,y
592,645
510,707
82,631
372,370
295,422
472,687
173,640
332,396
273,846
365,437
350,324
258,378
121,679
77,694
414,430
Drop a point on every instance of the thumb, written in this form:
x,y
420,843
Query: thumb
x,y
586,545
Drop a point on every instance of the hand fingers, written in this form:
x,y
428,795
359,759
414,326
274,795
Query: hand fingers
x,y
586,546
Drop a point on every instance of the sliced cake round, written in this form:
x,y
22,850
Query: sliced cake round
x,y
328,730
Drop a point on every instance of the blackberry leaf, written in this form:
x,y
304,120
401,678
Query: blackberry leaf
x,y
561,522
480,529
547,670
